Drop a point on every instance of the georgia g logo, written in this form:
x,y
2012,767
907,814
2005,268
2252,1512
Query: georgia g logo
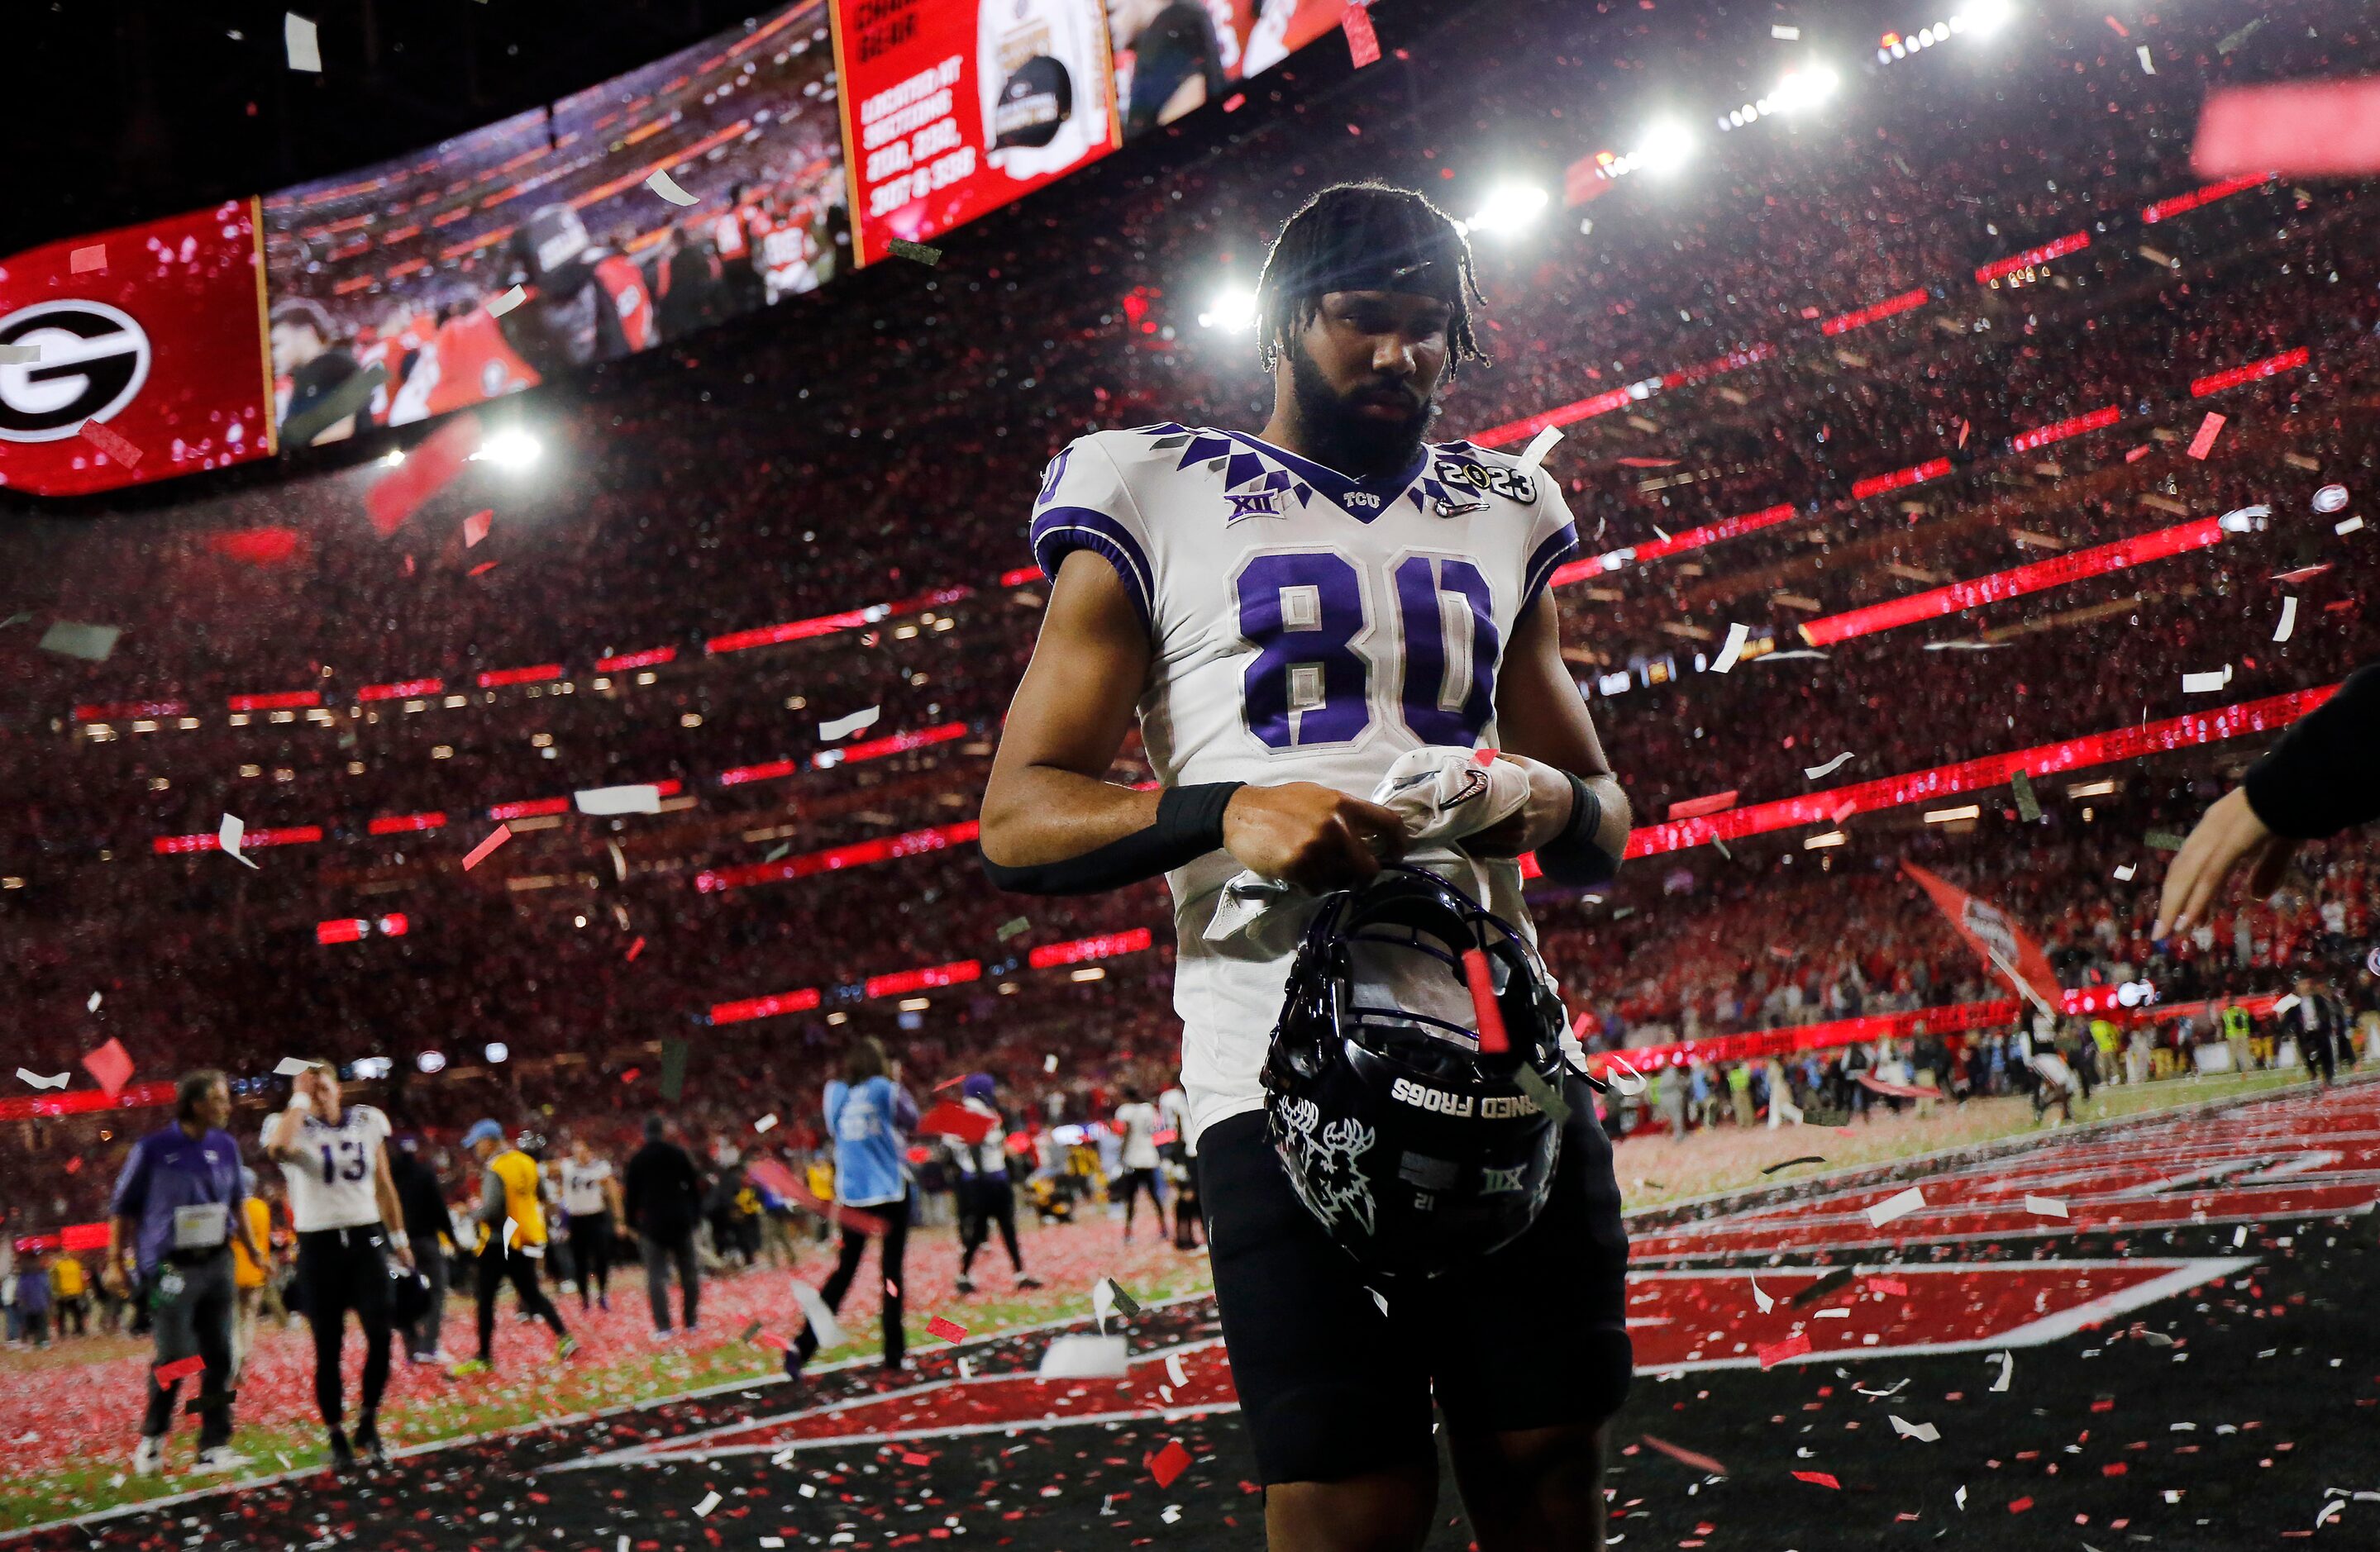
x,y
94,358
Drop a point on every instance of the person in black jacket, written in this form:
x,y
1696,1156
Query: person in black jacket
x,y
2321,778
2313,1019
423,1203
663,1201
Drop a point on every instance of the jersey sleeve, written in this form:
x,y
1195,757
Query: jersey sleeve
x,y
1553,538
1084,504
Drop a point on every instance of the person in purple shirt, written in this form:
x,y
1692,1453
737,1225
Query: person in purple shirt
x,y
177,1206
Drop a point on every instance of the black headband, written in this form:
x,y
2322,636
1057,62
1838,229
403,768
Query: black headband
x,y
1404,269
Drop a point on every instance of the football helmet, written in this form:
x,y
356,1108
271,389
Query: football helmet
x,y
1416,1148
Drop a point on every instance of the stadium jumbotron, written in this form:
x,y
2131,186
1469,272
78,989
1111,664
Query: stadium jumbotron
x,y
913,769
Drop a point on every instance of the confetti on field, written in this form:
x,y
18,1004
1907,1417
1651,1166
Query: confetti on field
x,y
1685,1457
1924,1433
112,1065
948,1329
1173,1461
1787,1164
1362,48
2007,1361
1533,455
1815,771
179,1369
499,306
2208,682
2124,874
1762,1297
229,834
2046,1207
57,1080
640,797
666,187
479,853
1174,1371
111,442
91,643
916,253
1898,1206
710,1500
1773,1353
300,38
843,727
84,260
1733,649
2289,619
1822,1479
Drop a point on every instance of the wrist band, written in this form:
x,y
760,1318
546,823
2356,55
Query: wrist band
x,y
397,1239
1573,857
1189,824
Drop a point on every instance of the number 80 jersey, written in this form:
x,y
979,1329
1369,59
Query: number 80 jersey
x,y
1305,626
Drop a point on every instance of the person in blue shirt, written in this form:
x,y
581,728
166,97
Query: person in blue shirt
x,y
869,1116
177,1208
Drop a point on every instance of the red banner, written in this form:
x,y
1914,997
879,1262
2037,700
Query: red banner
x,y
1997,939
951,109
153,337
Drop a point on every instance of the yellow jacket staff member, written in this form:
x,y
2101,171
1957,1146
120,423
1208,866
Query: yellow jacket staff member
x,y
512,1234
245,1270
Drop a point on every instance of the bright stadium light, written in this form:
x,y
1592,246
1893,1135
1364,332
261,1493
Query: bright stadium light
x,y
1233,311
1511,208
1985,16
510,449
1665,146
1804,88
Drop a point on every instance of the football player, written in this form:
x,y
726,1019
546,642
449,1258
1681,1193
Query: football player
x,y
1289,612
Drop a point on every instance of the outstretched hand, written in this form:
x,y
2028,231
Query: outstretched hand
x,y
2228,836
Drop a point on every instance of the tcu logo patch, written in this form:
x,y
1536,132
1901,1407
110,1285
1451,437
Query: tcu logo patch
x,y
1363,499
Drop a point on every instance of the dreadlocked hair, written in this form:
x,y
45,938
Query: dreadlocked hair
x,y
1341,224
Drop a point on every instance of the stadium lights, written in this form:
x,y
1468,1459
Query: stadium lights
x,y
1803,88
1233,311
1980,19
510,449
1511,208
1665,145
1984,16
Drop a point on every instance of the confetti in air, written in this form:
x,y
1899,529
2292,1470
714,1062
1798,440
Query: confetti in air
x,y
2028,807
2208,682
916,253
475,526
84,260
290,1066
1731,650
641,797
91,643
56,1080
1815,771
2289,619
2007,1361
2353,525
2124,874
499,306
479,853
843,727
298,36
229,834
1533,455
666,187
1362,44
1898,1206
1784,33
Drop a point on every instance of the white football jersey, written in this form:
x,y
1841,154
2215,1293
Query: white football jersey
x,y
582,1187
1306,627
332,1189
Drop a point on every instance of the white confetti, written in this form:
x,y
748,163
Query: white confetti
x,y
1731,650
666,187
2207,683
2044,1206
19,355
1533,455
2124,874
709,1501
765,1123
1815,771
56,1081
1960,1497
823,1323
843,727
229,834
2173,1495
1050,1062
2289,619
92,1005
2245,519
1103,1301
773,1541
1898,1206
639,798
1765,1300
290,1066
2148,66
1084,1357
499,306
1924,1433
1173,1371
2007,1361
1638,1078
305,49
1787,34
966,1370
2353,525
2330,1511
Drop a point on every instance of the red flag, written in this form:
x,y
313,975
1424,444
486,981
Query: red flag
x,y
1997,939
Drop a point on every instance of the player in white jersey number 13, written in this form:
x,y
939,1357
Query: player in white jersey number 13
x,y
1287,613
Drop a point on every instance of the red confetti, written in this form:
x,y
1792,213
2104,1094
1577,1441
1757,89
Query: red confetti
x,y
113,443
112,1065
179,1369
636,948
2118,27
1776,1352
479,853
908,1458
1687,1457
948,1331
2208,429
1171,1463
1362,44
1824,1479
484,567
82,260
1696,808
2137,453
2114,1468
1887,1285
2020,1505
475,526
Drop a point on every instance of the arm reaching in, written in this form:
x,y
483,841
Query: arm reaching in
x,y
1051,822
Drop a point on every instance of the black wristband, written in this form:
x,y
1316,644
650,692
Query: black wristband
x,y
1189,825
1573,857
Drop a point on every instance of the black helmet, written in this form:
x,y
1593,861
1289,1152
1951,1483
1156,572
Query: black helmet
x,y
408,1294
1416,1148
